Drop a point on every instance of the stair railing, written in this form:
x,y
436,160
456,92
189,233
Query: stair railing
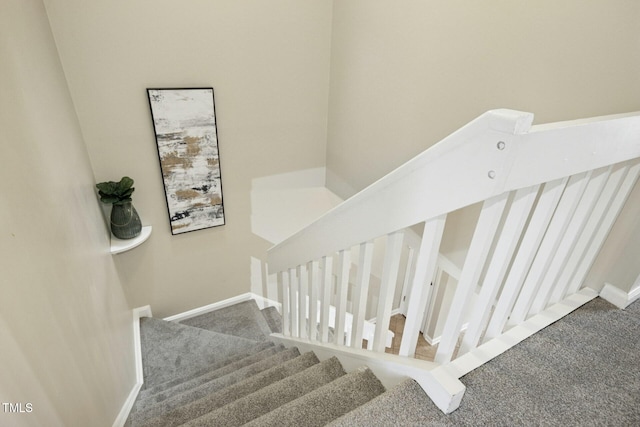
x,y
550,195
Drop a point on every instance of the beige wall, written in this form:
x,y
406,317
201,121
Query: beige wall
x,y
404,76
268,62
401,78
617,263
65,327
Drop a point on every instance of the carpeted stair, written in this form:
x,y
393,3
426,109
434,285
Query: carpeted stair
x,y
221,369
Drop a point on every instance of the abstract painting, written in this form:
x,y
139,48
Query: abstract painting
x,y
184,121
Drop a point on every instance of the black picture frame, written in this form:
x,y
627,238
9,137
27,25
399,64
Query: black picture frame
x,y
185,127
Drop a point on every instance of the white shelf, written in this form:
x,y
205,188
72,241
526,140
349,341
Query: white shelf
x,y
119,245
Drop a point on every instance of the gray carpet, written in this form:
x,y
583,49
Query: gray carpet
x,y
179,383
243,320
326,403
170,414
267,399
171,349
583,370
220,368
200,387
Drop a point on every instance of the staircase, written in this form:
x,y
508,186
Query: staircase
x,y
221,369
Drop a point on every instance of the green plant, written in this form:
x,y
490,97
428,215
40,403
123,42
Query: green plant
x,y
116,192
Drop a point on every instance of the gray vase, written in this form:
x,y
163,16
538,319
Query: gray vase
x,y
125,222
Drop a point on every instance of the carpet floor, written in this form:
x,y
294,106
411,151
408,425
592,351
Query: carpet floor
x,y
583,370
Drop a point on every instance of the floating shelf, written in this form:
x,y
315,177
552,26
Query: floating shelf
x,y
119,245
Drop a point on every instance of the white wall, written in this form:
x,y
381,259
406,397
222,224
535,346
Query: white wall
x,y
65,327
268,63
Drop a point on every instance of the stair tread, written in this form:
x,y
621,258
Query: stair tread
x,y
255,354
243,320
273,396
326,403
201,386
405,404
170,349
181,414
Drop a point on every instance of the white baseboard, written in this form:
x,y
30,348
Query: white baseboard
x,y
128,404
262,303
618,297
393,313
431,341
137,350
210,307
436,340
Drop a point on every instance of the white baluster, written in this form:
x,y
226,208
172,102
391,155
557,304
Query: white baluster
x,y
283,281
432,297
407,281
327,291
303,301
293,298
483,236
388,282
342,289
315,287
425,268
601,206
511,231
568,242
360,293
524,257
605,226
547,250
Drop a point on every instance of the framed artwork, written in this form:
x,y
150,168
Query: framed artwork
x,y
184,121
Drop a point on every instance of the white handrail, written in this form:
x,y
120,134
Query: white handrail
x,y
497,152
562,168
426,186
